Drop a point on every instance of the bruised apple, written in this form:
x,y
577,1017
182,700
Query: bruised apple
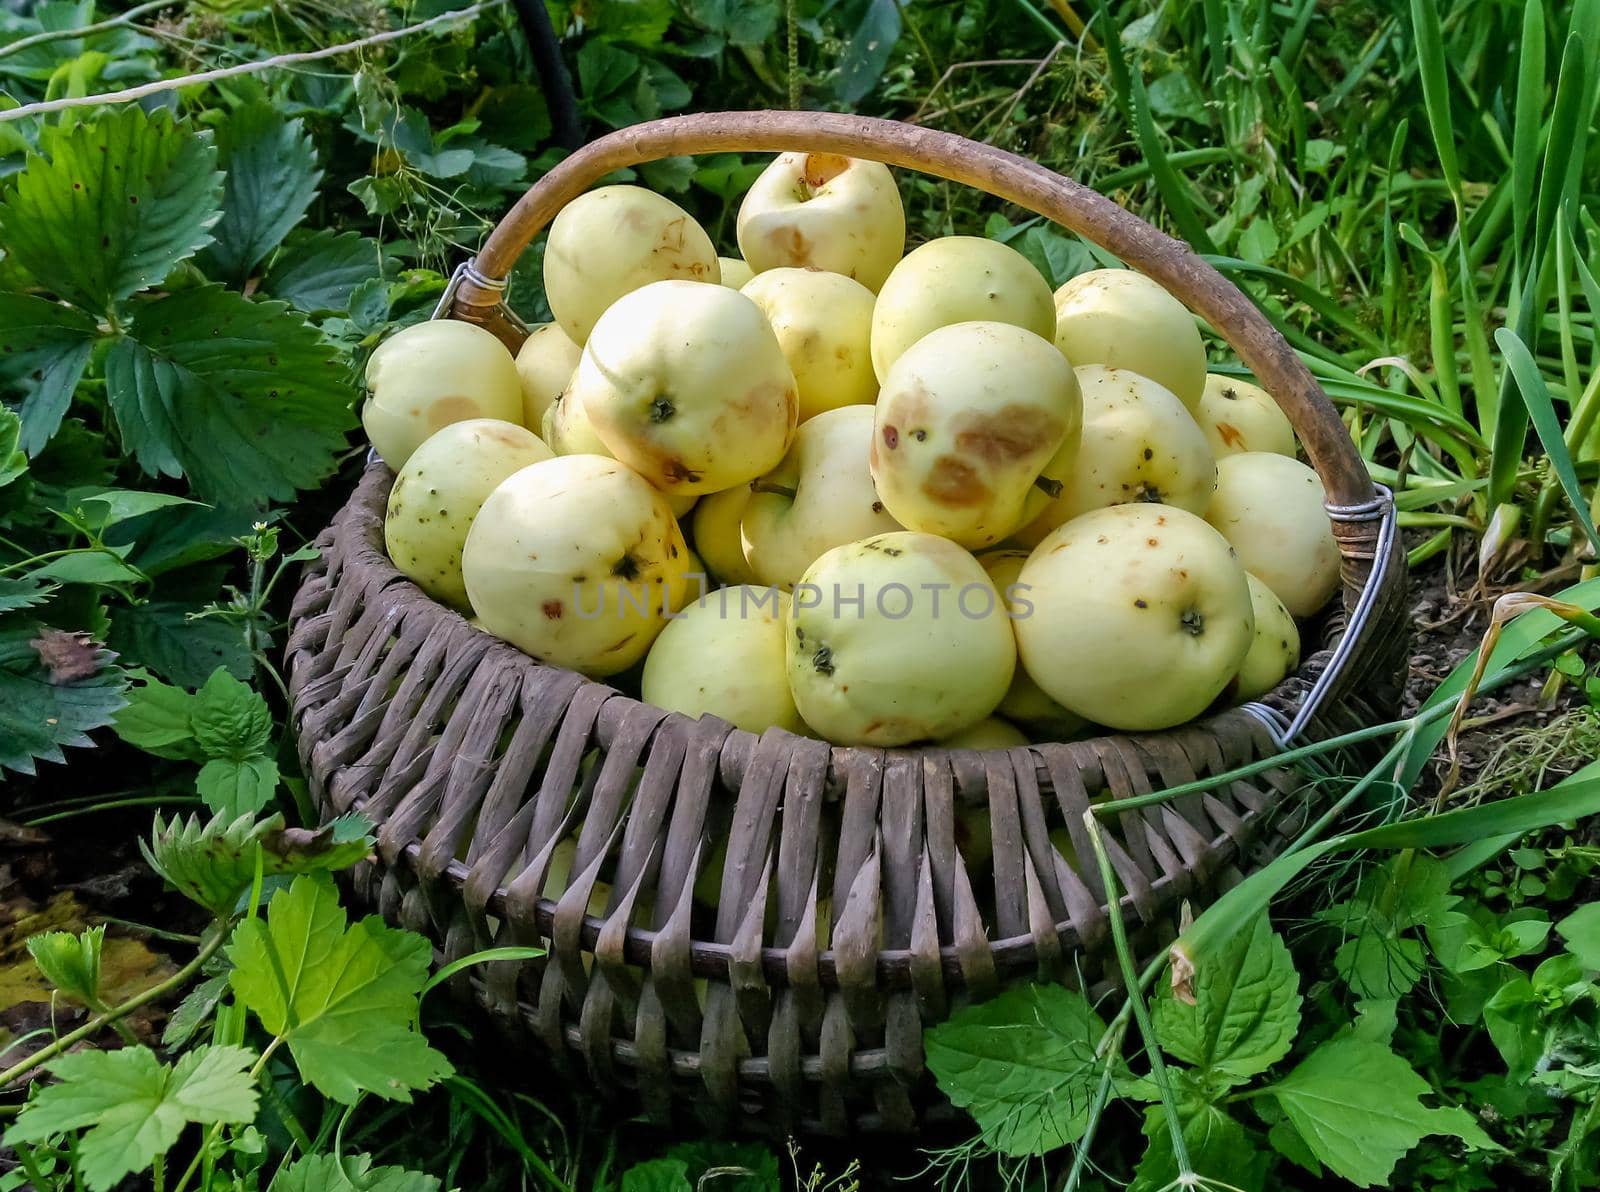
x,y
576,561
897,638
1238,416
1275,649
1025,702
1141,616
957,279
545,362
613,240
686,384
824,325
1122,319
567,431
717,535
736,272
1271,508
821,496
969,421
428,375
439,491
824,211
723,657
1139,444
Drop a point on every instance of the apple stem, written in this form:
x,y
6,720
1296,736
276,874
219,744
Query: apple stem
x,y
778,490
1051,487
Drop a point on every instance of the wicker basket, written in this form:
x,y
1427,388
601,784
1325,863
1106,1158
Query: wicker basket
x,y
848,919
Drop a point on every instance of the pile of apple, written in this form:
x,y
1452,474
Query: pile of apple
x,y
928,500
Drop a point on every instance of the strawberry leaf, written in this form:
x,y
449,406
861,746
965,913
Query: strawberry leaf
x,y
44,348
243,398
352,1173
272,178
49,700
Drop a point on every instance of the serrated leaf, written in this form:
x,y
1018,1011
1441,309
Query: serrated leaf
x,y
739,1166
1511,1016
231,786
13,463
41,713
70,961
44,348
156,719
23,592
243,398
179,537
271,175
1023,1065
165,636
229,719
1219,1149
213,862
1358,1107
190,1014
108,206
132,1107
1246,1011
319,273
344,997
1581,933
324,1173
657,1175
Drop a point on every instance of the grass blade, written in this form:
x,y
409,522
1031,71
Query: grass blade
x,y
1540,409
1436,92
1564,149
1529,119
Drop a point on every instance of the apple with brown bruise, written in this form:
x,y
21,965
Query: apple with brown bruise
x,y
567,431
611,241
1238,416
824,211
824,323
1140,443
686,384
975,426
577,561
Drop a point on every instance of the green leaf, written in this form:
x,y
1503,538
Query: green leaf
x,y
213,862
355,1173
866,52
44,348
1286,1140
1258,243
1511,1016
110,205
1219,1149
191,1013
132,1107
344,998
70,962
734,22
22,592
1023,1064
1581,932
1379,965
1246,1010
88,566
156,719
233,787
46,706
13,463
165,636
106,507
319,273
272,179
1358,1107
243,398
657,1175
737,1166
230,720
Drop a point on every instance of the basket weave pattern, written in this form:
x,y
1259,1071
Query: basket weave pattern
x,y
848,918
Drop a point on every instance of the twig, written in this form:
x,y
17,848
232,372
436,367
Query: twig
x,y
243,68
49,35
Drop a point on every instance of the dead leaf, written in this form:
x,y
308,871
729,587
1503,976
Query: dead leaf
x,y
68,657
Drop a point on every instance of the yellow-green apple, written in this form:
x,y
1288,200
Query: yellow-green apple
x,y
717,535
723,657
1025,702
975,422
1238,416
439,491
735,272
545,362
1271,508
575,560
1141,616
824,211
819,497
1122,319
1139,443
957,279
1275,649
567,431
428,375
897,638
824,324
611,241
989,733
686,384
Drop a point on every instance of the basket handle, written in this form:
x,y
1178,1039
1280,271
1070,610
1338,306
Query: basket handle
x,y
477,298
